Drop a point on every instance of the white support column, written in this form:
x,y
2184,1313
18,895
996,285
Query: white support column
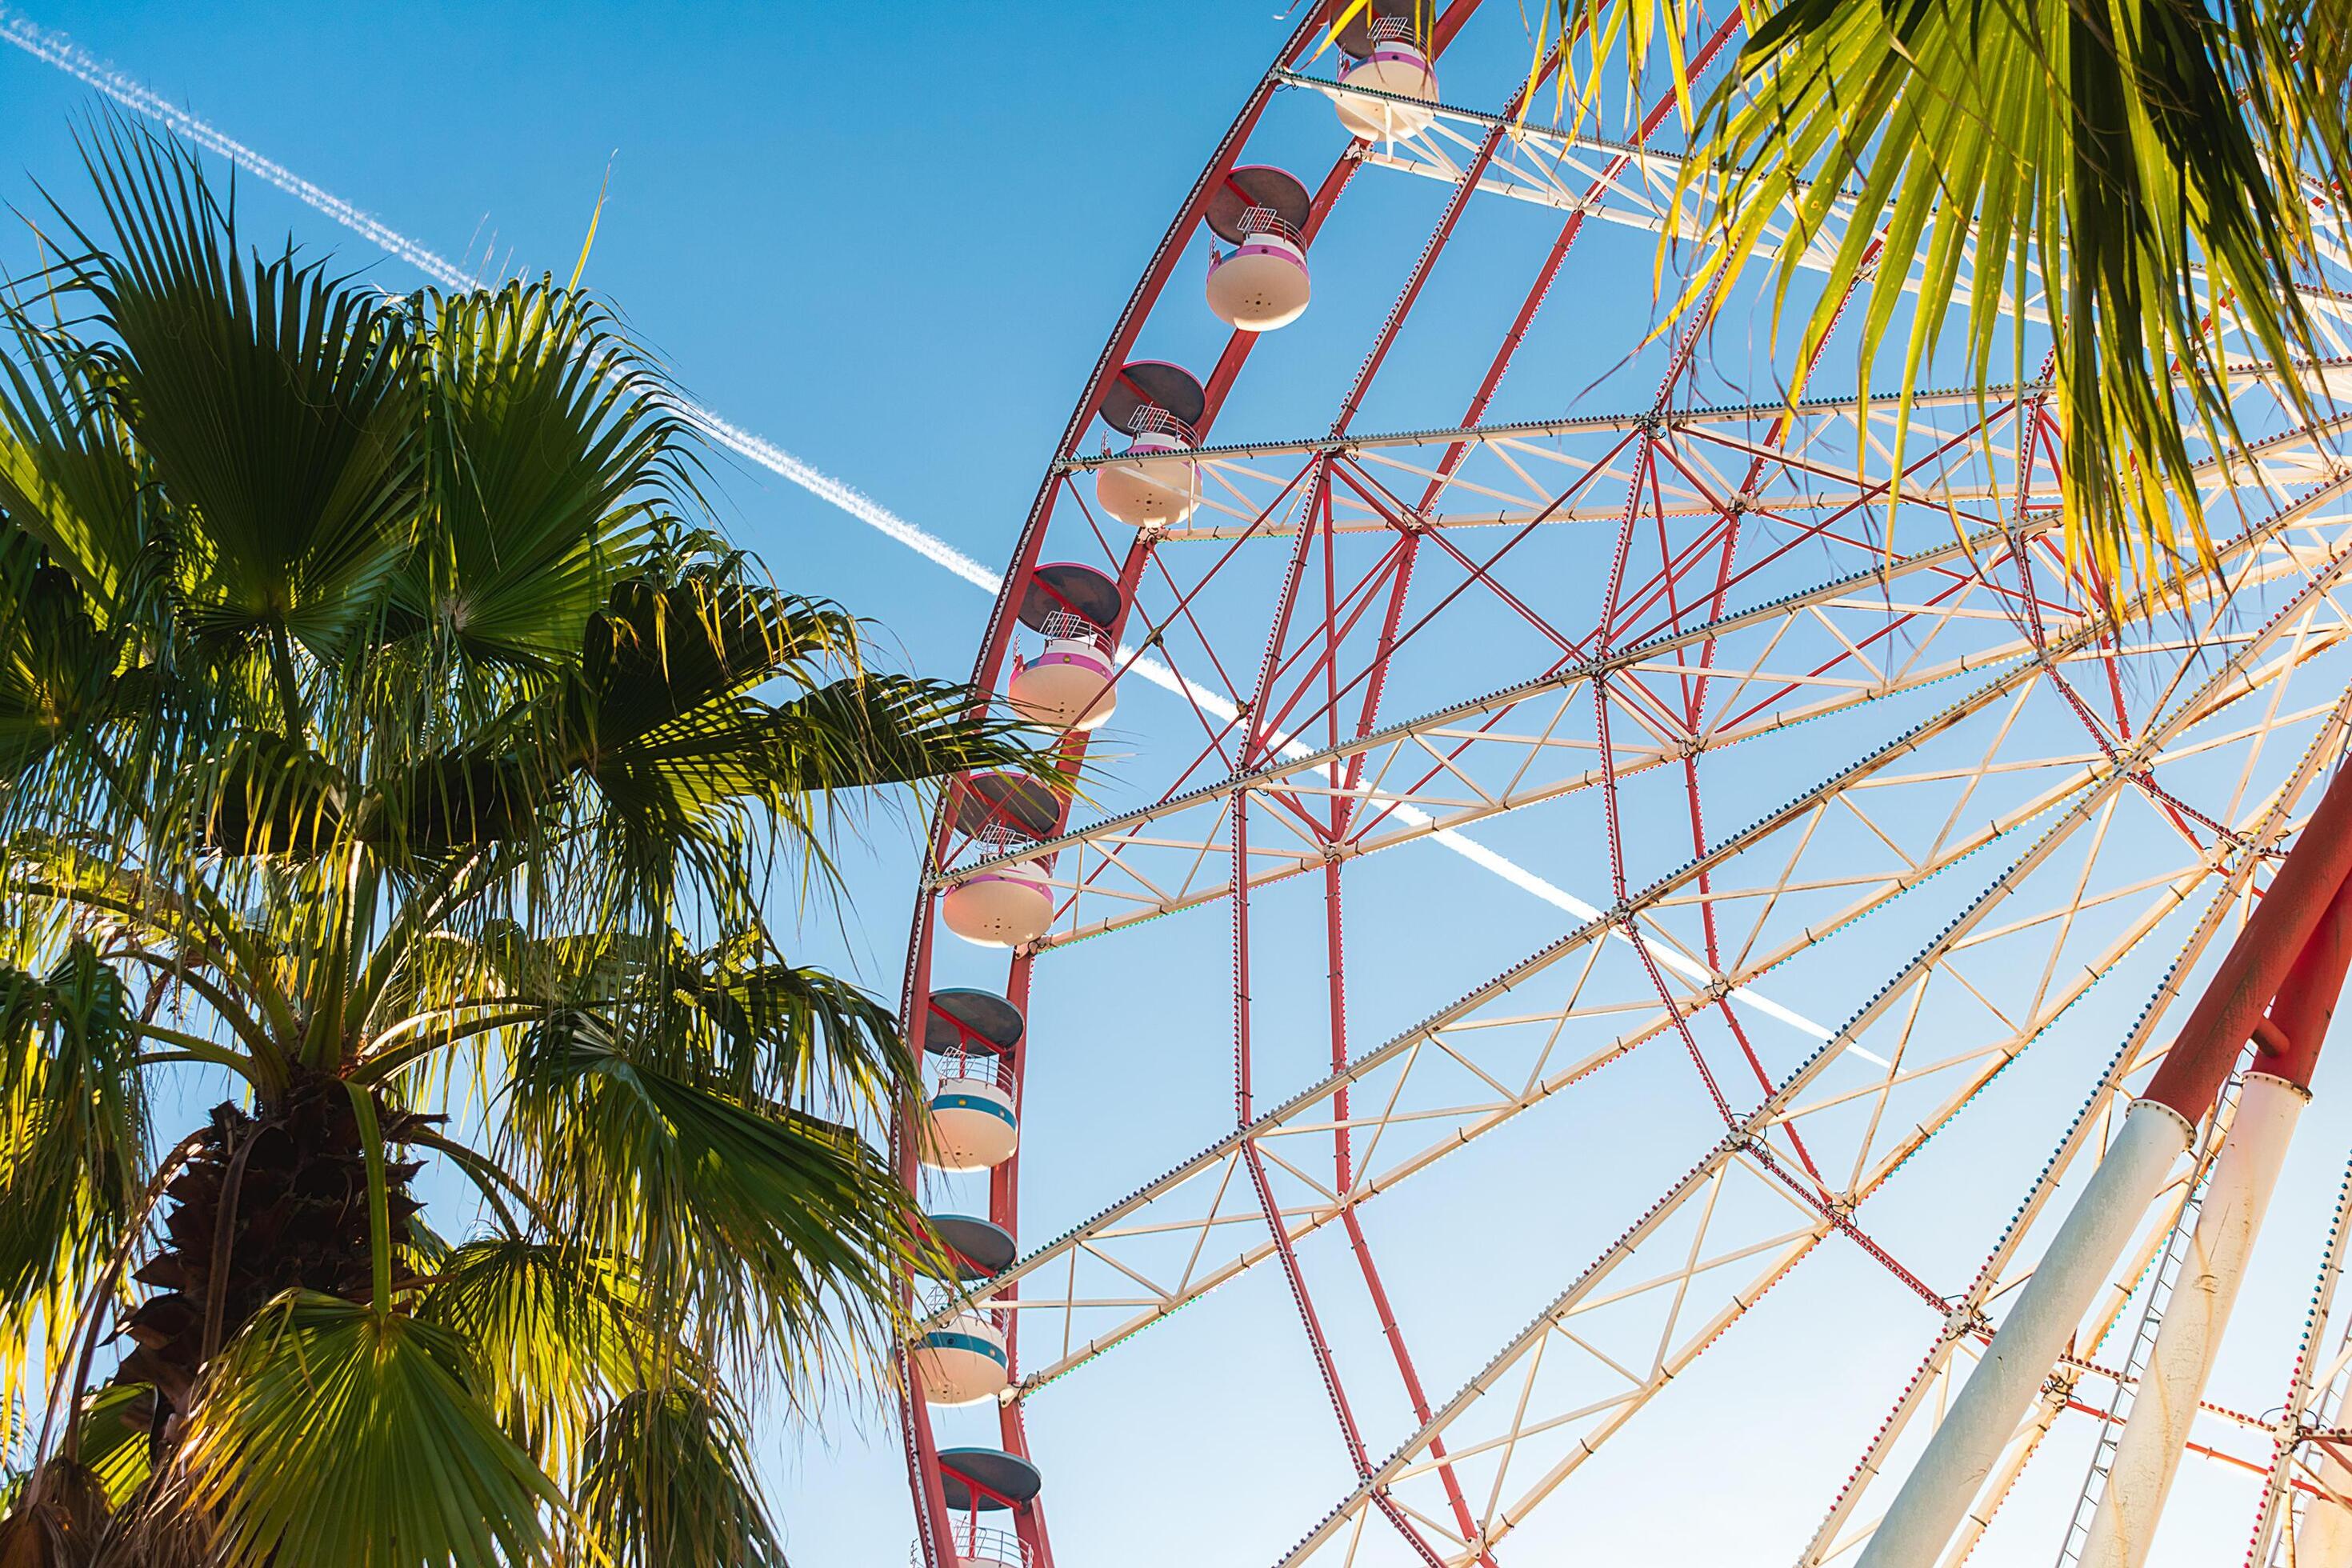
x,y
2238,1194
1969,1442
2323,1539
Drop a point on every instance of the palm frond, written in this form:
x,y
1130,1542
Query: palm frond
x,y
787,1034
73,1147
62,678
331,1435
267,794
881,729
772,1236
669,1481
554,459
69,473
116,1424
551,1333
2096,153
658,653
2129,171
1589,46
295,524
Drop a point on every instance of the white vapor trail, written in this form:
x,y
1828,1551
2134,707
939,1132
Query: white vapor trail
x,y
56,49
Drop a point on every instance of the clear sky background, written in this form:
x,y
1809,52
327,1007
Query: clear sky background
x,y
891,238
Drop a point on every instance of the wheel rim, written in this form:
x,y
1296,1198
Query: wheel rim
x,y
1751,674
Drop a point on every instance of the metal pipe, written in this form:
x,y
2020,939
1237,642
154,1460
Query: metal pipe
x,y
1937,1494
2298,899
2147,1456
1979,1520
2324,1538
2307,1003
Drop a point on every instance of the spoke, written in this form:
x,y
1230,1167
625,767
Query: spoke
x,y
1811,654
1550,168
1431,1090
1460,1418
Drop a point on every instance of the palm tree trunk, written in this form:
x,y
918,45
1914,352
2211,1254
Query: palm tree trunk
x,y
271,1201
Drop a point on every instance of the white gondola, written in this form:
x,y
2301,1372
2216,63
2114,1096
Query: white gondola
x,y
1398,68
1158,408
962,1361
1153,484
1069,685
1262,283
1003,905
1009,903
969,1038
972,1125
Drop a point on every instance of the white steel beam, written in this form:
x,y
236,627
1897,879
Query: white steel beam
x,y
1969,1441
2148,1456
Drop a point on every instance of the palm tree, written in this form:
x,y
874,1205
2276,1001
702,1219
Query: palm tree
x,y
385,750
2148,166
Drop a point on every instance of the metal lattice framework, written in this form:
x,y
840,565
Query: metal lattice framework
x,y
1818,794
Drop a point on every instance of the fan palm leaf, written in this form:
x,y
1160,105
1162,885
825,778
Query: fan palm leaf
x,y
2115,185
273,401
336,1433
553,1332
669,1479
554,469
73,1146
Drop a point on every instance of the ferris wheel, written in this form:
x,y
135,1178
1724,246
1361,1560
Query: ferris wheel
x,y
1646,887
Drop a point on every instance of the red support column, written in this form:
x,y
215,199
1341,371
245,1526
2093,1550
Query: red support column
x,y
2307,1000
2300,897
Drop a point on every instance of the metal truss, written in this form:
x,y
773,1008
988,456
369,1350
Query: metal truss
x,y
1882,630
1439,1086
1635,186
1556,1393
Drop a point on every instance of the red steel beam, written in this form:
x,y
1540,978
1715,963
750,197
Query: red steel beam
x,y
2300,898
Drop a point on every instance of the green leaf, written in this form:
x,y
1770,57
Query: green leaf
x,y
550,1333
61,676
272,401
879,728
2134,163
329,1435
773,1234
656,655
69,474
670,1483
553,453
73,1146
115,1423
269,795
786,1033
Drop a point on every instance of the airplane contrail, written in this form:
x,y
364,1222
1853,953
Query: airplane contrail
x,y
56,49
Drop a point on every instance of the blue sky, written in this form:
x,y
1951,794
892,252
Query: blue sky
x,y
891,239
